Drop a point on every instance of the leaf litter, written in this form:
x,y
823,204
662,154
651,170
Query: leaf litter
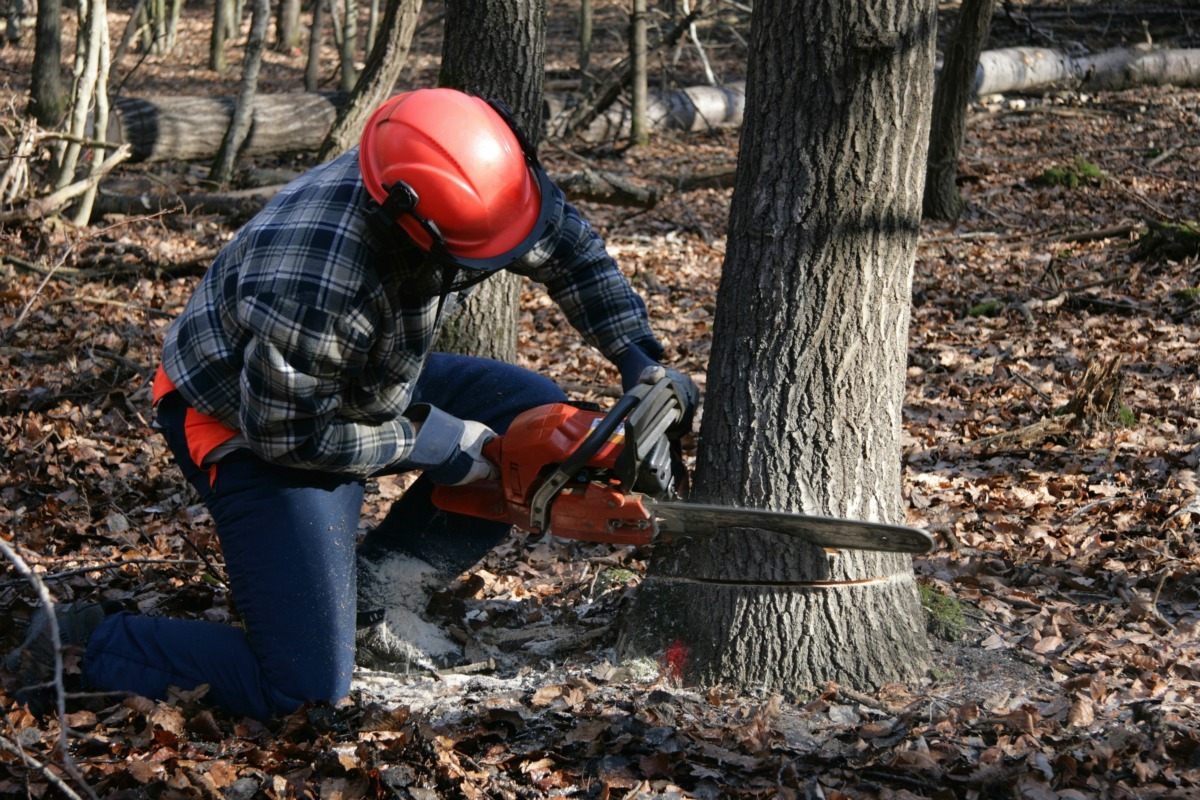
x,y
1073,558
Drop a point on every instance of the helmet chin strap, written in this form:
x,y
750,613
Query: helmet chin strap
x,y
401,200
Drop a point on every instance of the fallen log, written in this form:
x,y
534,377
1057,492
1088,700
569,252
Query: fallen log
x,y
1022,69
167,128
170,128
240,205
691,110
191,128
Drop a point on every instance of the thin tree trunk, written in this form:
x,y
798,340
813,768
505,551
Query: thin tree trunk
x,y
378,78
312,67
585,46
287,26
87,67
372,24
98,39
216,46
955,89
47,97
349,45
639,133
132,27
806,378
239,127
173,25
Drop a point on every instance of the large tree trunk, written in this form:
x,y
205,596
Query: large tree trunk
x,y
496,48
378,78
955,88
806,378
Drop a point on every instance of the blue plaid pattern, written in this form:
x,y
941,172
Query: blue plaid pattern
x,y
301,335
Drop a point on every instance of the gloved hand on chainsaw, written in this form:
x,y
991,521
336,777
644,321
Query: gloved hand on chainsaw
x,y
449,449
638,367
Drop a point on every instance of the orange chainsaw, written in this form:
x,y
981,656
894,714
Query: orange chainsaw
x,y
614,477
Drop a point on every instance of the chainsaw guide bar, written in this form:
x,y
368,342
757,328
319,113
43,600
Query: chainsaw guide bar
x,y
696,519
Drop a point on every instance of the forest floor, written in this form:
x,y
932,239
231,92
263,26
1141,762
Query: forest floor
x,y
1064,591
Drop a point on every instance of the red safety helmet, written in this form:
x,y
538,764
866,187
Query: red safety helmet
x,y
454,171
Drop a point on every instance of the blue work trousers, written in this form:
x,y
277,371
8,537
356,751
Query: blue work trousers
x,y
288,537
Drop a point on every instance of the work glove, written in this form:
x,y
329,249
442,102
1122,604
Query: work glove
x,y
637,367
449,449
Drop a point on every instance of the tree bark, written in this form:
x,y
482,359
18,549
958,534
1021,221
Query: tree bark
x,y
378,77
955,88
496,48
47,97
806,378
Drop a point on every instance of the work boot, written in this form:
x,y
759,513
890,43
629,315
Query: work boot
x,y
33,661
394,634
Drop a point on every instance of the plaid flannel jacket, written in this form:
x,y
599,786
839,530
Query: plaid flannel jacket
x,y
301,337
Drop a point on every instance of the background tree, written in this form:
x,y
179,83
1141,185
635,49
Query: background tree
x,y
955,88
47,97
316,31
347,40
90,78
222,11
378,78
243,112
496,48
287,26
806,378
639,133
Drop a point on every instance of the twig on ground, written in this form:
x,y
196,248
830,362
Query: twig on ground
x,y
1079,512
101,301
58,576
56,682
32,763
